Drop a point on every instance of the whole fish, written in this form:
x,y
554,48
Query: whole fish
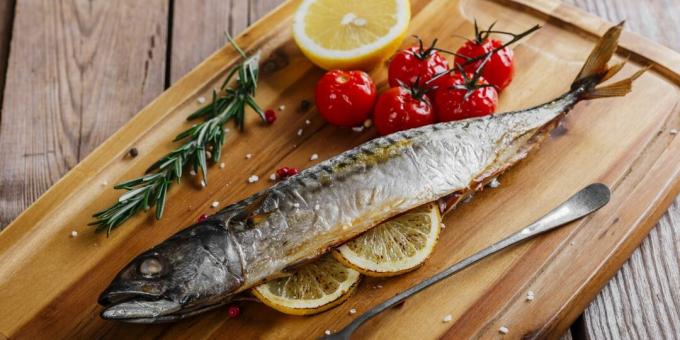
x,y
266,235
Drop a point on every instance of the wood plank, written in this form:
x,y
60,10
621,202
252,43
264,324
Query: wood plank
x,y
6,21
77,71
198,28
644,164
642,300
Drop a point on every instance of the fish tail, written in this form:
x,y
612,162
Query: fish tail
x,y
596,69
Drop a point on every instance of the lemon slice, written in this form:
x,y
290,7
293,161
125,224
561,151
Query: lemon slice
x,y
395,246
314,288
350,34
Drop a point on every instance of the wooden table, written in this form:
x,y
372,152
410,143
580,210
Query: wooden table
x,y
75,71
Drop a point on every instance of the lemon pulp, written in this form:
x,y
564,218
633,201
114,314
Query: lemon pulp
x,y
350,34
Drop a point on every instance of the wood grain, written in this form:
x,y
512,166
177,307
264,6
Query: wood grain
x,y
6,20
198,28
643,165
643,299
99,63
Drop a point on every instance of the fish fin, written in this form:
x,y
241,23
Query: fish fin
x,y
596,64
614,69
617,89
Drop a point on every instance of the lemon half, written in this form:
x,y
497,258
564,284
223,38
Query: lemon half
x,y
314,288
350,34
395,246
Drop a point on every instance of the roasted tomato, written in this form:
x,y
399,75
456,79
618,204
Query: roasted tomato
x,y
400,108
461,96
416,64
345,98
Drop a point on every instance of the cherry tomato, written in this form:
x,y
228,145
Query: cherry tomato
x,y
450,102
398,109
345,98
415,63
498,70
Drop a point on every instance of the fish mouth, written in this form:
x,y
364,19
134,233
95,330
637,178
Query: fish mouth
x,y
145,308
141,311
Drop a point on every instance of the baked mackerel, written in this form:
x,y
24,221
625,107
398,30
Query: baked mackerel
x,y
265,235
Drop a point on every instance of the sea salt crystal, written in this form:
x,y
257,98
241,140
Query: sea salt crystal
x,y
299,133
530,295
215,204
208,154
443,226
673,131
327,332
282,107
352,311
314,157
226,130
201,100
368,123
222,165
272,177
308,122
296,205
317,207
192,172
447,318
202,183
495,183
503,330
249,156
358,128
105,183
253,179
74,233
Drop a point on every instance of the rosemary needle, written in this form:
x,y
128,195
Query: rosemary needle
x,y
151,189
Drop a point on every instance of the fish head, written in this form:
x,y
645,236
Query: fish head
x,y
197,269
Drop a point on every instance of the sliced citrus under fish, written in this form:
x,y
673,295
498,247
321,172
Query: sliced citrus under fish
x,y
396,246
313,288
350,34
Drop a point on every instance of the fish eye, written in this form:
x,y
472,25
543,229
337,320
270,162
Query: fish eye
x,y
151,267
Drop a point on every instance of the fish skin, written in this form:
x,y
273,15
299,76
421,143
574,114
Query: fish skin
x,y
262,236
366,185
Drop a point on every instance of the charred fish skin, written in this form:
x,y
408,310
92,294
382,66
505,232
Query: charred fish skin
x,y
194,269
298,219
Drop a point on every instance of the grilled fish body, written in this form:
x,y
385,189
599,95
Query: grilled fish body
x,y
302,217
342,197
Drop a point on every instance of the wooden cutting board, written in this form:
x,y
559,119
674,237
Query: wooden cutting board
x,y
49,281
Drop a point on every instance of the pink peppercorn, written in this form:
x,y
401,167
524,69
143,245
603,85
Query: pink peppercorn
x,y
270,116
233,311
286,172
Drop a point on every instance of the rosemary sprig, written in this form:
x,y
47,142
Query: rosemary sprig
x,y
202,141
